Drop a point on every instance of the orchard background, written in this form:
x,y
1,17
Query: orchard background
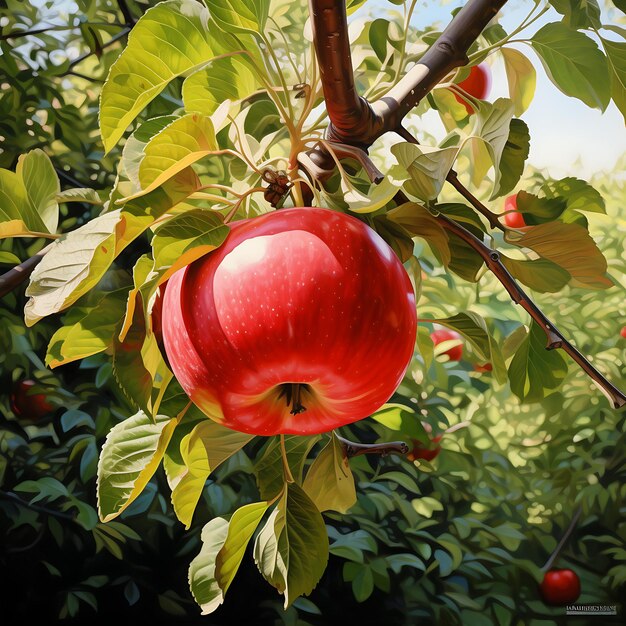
x,y
533,451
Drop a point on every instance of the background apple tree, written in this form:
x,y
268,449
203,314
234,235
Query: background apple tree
x,y
130,131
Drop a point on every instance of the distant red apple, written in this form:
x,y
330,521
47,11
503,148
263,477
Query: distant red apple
x,y
426,452
303,320
477,84
560,587
513,218
623,332
485,367
29,406
455,353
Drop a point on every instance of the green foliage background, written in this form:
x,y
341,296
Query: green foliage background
x,y
460,540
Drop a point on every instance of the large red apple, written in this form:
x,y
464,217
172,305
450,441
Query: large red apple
x,y
28,405
477,84
454,352
513,218
623,332
560,586
302,321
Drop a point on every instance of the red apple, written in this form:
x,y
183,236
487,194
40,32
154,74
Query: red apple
x,y
421,451
513,218
477,84
623,332
29,406
560,587
303,320
455,352
485,367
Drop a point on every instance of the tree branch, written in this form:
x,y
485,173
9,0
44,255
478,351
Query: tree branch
x,y
352,448
566,535
12,497
82,57
16,276
353,120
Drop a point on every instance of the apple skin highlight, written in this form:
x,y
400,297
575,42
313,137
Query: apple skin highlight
x,y
302,321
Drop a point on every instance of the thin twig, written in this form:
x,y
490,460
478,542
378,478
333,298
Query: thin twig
x,y
353,448
453,179
12,497
566,535
128,16
82,57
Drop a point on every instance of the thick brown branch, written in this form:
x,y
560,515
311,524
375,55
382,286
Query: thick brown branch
x,y
352,448
16,276
353,120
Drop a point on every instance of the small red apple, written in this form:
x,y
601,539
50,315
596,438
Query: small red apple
x,y
26,405
513,218
303,320
560,587
623,332
455,353
422,451
485,367
477,84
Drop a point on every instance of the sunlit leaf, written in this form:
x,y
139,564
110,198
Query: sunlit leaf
x,y
521,77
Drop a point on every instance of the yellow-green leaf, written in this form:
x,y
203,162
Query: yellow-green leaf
x,y
171,39
241,527
131,454
522,78
329,482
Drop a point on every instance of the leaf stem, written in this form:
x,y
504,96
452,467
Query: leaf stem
x,y
286,469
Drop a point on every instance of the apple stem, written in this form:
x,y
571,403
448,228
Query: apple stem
x,y
293,394
564,538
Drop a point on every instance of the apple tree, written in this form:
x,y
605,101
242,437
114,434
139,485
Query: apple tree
x,y
491,452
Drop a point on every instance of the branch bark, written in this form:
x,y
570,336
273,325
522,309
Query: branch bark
x,y
17,275
353,448
353,120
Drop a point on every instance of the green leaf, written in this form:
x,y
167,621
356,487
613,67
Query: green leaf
x,y
269,468
42,186
195,231
77,261
419,221
473,327
17,215
170,39
133,151
578,194
202,581
183,142
571,247
329,482
538,274
427,166
574,64
91,334
514,156
488,139
79,194
241,527
131,454
239,16
538,210
205,448
535,370
521,77
579,13
225,78
291,551
616,58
